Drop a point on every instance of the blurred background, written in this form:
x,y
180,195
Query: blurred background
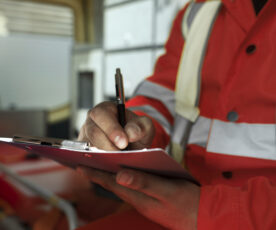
x,y
58,58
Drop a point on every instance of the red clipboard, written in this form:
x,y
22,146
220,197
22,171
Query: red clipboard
x,y
155,161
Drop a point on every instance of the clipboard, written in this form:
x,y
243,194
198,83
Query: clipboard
x,y
73,154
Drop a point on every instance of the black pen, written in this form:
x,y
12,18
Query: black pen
x,y
120,97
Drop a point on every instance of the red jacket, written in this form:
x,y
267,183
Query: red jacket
x,y
238,75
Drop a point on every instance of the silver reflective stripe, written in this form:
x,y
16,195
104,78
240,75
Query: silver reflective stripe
x,y
186,132
180,129
158,92
189,16
154,114
200,131
237,139
243,139
194,8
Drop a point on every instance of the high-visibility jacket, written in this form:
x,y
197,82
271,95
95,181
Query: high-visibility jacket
x,y
231,146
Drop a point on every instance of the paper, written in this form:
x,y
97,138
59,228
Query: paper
x,y
154,161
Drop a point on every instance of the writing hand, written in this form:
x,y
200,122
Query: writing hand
x,y
102,129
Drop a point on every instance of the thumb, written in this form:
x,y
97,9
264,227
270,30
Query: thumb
x,y
140,131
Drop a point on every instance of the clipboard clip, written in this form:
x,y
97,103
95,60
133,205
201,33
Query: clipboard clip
x,y
54,142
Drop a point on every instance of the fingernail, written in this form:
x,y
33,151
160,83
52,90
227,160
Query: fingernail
x,y
124,178
120,142
133,131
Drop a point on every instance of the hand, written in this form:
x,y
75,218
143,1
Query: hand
x,y
102,129
172,203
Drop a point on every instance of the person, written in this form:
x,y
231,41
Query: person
x,y
231,146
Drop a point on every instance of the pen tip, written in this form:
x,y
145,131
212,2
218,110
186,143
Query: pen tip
x,y
118,71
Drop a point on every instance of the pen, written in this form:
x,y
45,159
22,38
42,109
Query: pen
x,y
120,97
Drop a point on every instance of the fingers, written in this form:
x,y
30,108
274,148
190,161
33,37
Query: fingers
x,y
153,186
108,181
105,116
140,131
103,130
96,137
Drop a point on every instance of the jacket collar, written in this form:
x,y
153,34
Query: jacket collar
x,y
243,11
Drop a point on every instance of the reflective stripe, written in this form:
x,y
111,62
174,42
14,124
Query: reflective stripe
x,y
155,114
189,71
198,21
185,26
185,132
193,9
158,92
237,139
200,131
243,139
189,16
181,131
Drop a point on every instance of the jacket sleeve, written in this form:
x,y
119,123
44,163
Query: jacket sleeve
x,y
251,207
154,97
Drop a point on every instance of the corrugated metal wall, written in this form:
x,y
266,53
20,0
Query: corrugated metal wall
x,y
38,18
